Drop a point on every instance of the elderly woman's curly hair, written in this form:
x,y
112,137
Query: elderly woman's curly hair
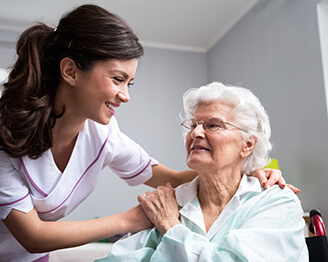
x,y
249,114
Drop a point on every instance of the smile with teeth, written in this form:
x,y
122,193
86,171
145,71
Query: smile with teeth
x,y
110,106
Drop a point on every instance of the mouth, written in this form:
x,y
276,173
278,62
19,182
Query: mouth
x,y
111,107
199,148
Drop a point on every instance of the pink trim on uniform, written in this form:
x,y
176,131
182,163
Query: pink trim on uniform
x,y
14,202
101,149
43,259
137,173
30,178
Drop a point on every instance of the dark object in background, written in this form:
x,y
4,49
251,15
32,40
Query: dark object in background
x,y
317,245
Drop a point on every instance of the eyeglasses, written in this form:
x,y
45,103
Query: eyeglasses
x,y
211,125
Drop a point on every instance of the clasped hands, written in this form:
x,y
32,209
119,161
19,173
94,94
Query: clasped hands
x,y
161,207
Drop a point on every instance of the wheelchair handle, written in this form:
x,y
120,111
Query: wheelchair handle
x,y
316,226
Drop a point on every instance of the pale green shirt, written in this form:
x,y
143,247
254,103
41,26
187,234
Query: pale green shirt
x,y
256,225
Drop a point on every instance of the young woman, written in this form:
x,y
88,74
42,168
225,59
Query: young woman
x,y
58,131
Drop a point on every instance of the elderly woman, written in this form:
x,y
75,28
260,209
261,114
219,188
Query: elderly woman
x,y
222,215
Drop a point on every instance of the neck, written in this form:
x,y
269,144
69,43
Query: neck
x,y
66,129
70,124
215,191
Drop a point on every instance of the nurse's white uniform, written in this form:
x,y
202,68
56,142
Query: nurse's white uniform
x,y
38,183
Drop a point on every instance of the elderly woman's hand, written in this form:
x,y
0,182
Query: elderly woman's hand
x,y
269,177
161,207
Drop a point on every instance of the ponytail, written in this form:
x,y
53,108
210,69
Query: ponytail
x,y
25,108
87,34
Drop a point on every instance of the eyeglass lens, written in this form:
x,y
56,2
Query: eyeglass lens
x,y
211,124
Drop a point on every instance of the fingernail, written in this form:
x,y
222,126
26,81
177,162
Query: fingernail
x,y
267,186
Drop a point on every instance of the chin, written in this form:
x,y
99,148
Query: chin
x,y
104,122
107,122
193,164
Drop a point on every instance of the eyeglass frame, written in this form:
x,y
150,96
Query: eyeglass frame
x,y
220,123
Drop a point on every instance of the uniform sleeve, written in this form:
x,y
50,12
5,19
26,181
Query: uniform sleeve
x,y
14,193
271,231
127,159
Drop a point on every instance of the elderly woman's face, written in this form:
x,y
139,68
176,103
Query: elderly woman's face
x,y
213,151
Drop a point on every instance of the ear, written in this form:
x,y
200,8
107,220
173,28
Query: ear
x,y
249,145
68,70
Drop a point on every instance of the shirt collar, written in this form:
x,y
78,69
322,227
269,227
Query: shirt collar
x,y
186,196
185,193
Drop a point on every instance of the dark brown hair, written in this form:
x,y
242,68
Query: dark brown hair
x,y
87,35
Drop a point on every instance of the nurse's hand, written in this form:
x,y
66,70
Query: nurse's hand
x,y
136,220
161,207
269,177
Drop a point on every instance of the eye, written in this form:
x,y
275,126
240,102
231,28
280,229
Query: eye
x,y
193,126
118,79
213,124
213,127
130,84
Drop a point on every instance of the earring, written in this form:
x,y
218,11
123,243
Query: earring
x,y
73,83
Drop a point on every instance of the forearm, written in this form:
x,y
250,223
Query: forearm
x,y
64,234
163,175
38,236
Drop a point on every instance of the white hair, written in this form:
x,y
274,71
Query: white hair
x,y
249,114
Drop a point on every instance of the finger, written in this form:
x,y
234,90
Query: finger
x,y
147,204
294,189
274,176
148,194
141,198
154,199
281,182
261,176
170,187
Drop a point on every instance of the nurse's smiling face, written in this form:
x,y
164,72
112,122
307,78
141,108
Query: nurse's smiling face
x,y
100,91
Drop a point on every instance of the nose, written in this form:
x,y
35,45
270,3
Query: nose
x,y
198,132
123,95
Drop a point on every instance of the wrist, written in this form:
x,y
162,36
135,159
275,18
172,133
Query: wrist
x,y
124,224
166,225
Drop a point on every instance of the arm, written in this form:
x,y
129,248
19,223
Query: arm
x,y
38,236
163,175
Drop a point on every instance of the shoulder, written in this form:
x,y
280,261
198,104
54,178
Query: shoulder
x,y
275,192
275,199
253,189
7,163
252,195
